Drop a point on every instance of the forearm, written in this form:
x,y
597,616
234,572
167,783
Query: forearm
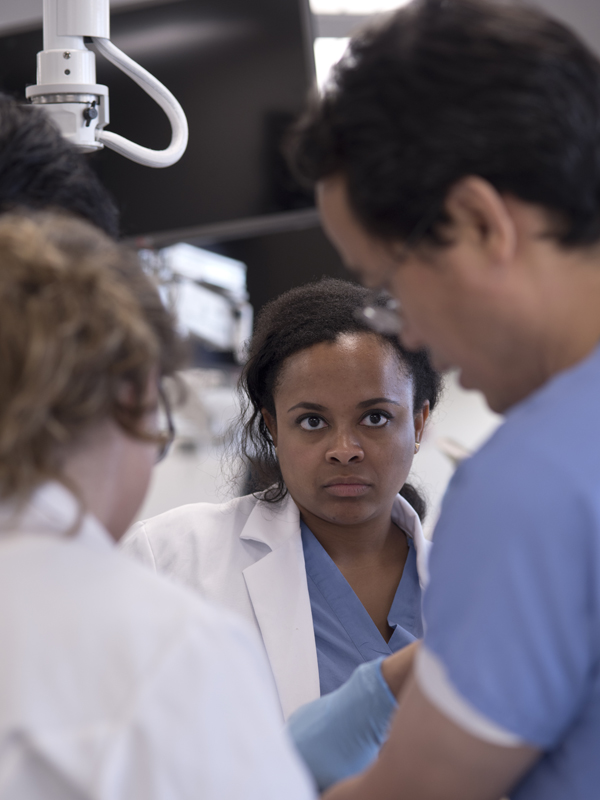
x,y
346,790
428,757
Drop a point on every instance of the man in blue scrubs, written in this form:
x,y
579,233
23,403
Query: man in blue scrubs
x,y
456,155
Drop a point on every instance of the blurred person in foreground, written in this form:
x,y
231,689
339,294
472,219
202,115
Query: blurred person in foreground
x,y
456,155
114,683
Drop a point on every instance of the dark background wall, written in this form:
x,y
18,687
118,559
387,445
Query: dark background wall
x,y
277,262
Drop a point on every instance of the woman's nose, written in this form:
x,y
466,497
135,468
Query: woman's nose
x,y
344,449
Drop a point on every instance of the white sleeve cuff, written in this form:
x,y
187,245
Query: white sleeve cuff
x,y
433,681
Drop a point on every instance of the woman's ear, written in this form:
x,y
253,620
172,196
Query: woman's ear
x,y
420,420
271,424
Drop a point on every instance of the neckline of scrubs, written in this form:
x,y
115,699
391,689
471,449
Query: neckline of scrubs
x,y
405,613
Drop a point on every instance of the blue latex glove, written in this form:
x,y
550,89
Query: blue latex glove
x,y
340,734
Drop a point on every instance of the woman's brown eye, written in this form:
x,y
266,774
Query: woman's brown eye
x,y
312,423
375,420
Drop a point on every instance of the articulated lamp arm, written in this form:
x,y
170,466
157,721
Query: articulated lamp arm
x,y
66,83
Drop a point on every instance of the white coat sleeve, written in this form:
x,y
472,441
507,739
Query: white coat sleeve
x,y
207,725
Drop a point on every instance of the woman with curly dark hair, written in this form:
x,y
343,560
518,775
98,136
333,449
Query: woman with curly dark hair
x,y
326,557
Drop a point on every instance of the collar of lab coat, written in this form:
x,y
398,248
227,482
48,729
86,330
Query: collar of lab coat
x,y
405,517
274,523
53,510
278,590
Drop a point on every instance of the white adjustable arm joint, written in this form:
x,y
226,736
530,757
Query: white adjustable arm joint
x,y
67,89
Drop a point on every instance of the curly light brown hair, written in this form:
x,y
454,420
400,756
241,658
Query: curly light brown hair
x,y
79,321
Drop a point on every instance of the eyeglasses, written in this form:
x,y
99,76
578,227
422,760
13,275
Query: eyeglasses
x,y
167,436
382,312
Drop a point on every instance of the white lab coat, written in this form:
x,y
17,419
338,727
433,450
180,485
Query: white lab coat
x,y
247,555
116,684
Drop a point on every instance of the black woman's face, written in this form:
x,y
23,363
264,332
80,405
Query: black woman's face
x,y
345,428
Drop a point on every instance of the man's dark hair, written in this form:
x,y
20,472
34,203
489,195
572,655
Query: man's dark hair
x,y
444,89
39,169
296,320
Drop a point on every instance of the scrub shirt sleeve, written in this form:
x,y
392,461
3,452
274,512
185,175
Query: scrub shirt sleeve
x,y
508,646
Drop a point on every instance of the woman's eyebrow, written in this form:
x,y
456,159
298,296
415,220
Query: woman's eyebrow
x,y
309,406
375,400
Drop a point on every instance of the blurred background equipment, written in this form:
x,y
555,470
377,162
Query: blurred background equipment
x,y
207,292
200,466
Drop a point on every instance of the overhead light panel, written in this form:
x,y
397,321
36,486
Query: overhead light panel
x,y
361,7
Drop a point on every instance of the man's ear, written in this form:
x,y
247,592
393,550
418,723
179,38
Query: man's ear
x,y
478,215
271,424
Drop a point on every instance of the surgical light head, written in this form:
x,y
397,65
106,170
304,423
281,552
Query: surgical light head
x,y
74,30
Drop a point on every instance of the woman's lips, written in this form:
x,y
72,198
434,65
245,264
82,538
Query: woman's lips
x,y
345,489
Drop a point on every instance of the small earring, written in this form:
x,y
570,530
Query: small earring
x,y
417,446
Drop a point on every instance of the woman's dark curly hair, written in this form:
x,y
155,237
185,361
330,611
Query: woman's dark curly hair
x,y
298,319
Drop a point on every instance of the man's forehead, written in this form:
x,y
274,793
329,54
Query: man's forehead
x,y
365,256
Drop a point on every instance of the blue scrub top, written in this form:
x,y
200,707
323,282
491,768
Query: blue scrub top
x,y
345,634
513,605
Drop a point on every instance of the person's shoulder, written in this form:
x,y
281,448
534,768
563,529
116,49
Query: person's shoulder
x,y
120,600
197,520
205,512
544,424
541,452
514,472
144,595
191,542
525,487
114,649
